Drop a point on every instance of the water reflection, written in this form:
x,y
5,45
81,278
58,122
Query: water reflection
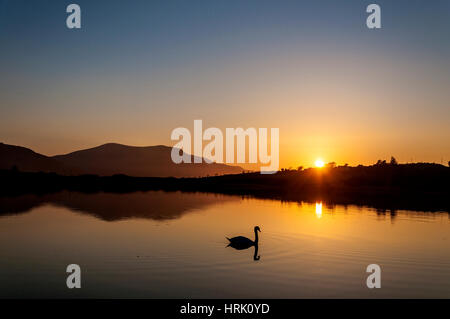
x,y
319,210
156,205
129,250
256,257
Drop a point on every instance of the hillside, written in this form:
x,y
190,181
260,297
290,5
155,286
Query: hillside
x,y
27,160
109,159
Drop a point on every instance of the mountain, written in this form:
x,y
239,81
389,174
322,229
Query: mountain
x,y
110,159
27,160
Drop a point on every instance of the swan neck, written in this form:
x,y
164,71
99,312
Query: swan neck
x,y
256,236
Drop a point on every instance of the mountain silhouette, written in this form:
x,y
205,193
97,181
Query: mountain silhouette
x,y
27,160
110,159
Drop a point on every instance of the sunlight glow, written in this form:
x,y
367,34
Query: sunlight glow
x,y
319,210
319,163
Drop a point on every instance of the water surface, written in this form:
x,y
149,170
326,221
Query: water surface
x,y
173,245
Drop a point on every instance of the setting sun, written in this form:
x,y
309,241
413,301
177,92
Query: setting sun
x,y
319,163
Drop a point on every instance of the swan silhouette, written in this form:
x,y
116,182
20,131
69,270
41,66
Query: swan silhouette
x,y
241,242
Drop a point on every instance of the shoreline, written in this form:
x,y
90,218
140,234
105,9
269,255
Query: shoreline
x,y
423,187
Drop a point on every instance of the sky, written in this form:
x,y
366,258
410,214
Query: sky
x,y
136,70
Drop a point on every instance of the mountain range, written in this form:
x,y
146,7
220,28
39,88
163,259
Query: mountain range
x,y
110,159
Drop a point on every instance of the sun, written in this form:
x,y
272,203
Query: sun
x,y
319,162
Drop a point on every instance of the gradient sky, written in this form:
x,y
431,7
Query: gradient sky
x,y
138,69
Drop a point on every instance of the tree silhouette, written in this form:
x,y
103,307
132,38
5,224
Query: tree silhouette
x,y
381,162
393,161
331,165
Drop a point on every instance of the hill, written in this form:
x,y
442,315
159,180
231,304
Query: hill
x,y
110,159
27,160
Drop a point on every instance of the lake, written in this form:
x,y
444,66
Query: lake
x,y
173,245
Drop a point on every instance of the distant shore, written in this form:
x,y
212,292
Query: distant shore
x,y
419,186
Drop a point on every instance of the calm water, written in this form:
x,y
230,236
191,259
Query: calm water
x,y
164,245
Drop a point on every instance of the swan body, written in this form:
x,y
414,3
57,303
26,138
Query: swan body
x,y
241,242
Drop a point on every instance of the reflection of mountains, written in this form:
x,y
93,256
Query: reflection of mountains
x,y
157,205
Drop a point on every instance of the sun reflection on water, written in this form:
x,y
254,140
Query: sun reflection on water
x,y
319,210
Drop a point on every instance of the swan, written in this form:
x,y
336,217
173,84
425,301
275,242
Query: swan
x,y
241,242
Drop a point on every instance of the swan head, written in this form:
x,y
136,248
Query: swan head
x,y
257,229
